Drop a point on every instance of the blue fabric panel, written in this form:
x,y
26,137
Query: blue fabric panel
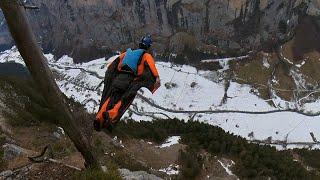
x,y
132,58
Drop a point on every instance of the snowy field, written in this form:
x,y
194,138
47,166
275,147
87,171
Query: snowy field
x,y
189,89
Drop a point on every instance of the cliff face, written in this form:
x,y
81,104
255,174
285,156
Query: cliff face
x,y
86,29
5,37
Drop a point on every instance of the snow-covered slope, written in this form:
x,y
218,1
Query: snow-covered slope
x,y
184,88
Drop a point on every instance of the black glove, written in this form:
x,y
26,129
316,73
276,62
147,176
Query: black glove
x,y
96,125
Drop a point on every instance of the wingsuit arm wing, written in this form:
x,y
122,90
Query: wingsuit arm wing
x,y
151,81
151,64
108,79
152,70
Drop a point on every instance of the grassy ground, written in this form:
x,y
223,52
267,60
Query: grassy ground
x,y
303,47
253,72
93,174
25,105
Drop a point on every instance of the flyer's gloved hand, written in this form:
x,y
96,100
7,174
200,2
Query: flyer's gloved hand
x,y
156,85
96,125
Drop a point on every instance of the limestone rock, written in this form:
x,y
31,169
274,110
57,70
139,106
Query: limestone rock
x,y
314,8
11,151
137,175
90,29
6,174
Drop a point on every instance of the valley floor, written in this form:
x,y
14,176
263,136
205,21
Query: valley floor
x,y
184,88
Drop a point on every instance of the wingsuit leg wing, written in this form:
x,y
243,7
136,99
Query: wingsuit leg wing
x,y
108,79
107,90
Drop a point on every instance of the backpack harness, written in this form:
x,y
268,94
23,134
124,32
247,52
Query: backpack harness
x,y
131,61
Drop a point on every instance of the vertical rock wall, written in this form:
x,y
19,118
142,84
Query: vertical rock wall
x,y
87,29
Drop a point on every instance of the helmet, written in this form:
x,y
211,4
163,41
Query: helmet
x,y
146,42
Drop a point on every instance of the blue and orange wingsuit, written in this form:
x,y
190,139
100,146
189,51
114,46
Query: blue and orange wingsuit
x,y
131,71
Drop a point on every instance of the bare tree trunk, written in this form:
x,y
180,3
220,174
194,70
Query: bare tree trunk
x,y
21,32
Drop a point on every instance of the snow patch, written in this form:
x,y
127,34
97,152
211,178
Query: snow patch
x,y
171,170
65,60
265,63
286,59
170,141
224,62
301,64
227,167
224,59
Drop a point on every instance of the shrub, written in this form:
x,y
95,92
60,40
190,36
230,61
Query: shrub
x,y
94,174
190,163
310,157
2,161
